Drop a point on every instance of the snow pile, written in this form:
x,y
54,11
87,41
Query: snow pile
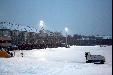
x,y
57,61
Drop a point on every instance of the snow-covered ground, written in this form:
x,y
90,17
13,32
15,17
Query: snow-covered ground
x,y
57,61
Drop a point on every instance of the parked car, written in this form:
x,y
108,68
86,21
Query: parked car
x,y
94,58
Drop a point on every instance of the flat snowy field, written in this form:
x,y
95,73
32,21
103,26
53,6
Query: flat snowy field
x,y
57,61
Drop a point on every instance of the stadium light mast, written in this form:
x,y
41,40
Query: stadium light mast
x,y
66,30
42,32
42,25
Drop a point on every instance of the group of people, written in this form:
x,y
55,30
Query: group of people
x,y
36,46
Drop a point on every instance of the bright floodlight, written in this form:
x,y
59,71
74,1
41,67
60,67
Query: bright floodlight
x,y
41,23
66,29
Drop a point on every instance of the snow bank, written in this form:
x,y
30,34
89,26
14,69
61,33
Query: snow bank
x,y
57,61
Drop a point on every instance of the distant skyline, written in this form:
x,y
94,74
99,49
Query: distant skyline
x,y
87,17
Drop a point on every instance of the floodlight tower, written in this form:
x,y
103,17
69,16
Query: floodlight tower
x,y
66,30
42,32
41,26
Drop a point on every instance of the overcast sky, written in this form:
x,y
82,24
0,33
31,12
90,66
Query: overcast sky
x,y
89,17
